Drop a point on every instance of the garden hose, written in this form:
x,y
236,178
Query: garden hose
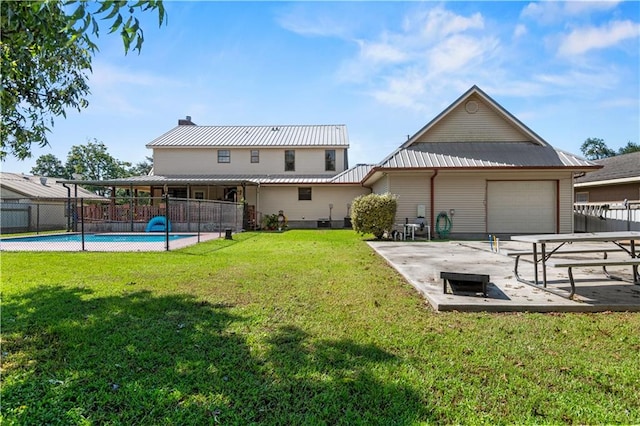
x,y
444,229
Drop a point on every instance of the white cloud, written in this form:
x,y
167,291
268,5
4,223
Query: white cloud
x,y
381,52
547,12
405,90
454,54
308,21
582,40
519,31
433,48
439,22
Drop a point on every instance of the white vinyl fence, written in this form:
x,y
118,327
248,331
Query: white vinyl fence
x,y
606,217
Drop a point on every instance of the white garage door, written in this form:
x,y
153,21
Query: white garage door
x,y
521,207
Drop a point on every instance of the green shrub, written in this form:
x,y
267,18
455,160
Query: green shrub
x,y
374,214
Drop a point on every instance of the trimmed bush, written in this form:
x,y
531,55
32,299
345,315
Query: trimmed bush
x,y
374,214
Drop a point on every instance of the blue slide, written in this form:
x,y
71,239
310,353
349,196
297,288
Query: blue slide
x,y
158,224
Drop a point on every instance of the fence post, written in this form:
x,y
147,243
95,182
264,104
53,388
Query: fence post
x,y
38,217
199,218
82,223
166,222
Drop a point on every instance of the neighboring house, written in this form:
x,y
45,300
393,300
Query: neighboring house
x,y
29,203
616,181
475,161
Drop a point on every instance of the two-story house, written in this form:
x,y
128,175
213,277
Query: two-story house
x,y
301,170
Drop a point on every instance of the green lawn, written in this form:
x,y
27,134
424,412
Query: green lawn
x,y
302,327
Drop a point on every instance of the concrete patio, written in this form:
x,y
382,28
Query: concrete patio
x,y
420,262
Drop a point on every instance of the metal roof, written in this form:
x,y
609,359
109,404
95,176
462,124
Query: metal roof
x,y
616,167
353,175
32,186
334,135
486,154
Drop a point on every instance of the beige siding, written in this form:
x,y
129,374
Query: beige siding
x,y
276,198
465,193
412,189
381,186
566,203
485,125
198,161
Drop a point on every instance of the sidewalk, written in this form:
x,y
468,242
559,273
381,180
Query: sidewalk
x,y
421,262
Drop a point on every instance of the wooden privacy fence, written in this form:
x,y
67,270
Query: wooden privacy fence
x,y
118,214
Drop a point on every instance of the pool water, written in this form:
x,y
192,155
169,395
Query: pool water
x,y
97,238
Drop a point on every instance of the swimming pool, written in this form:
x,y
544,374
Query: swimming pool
x,y
103,242
97,238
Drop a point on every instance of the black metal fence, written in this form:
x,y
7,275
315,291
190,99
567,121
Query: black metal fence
x,y
112,222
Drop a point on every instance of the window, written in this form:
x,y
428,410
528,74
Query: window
x,y
198,195
289,160
330,160
224,156
304,194
255,156
582,197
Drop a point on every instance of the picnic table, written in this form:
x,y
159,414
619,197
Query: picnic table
x,y
542,256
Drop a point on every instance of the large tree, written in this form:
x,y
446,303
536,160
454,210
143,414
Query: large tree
x,y
595,149
93,162
49,165
629,148
47,47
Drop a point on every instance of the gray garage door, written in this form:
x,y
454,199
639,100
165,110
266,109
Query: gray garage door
x,y
521,207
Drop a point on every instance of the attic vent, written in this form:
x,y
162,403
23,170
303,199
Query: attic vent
x,y
471,107
43,180
275,129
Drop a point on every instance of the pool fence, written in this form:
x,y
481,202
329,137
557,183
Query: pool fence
x,y
120,215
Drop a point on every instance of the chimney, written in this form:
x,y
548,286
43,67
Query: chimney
x,y
186,121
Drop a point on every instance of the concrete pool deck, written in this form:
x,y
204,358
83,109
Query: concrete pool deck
x,y
420,263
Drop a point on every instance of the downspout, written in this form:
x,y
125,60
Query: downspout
x,y
433,208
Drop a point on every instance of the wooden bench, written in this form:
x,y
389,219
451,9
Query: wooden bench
x,y
471,282
570,264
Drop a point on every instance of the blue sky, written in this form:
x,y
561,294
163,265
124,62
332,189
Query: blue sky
x,y
568,70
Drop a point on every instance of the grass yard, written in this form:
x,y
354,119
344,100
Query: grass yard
x,y
302,327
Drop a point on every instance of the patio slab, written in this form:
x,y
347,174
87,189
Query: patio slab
x,y
420,263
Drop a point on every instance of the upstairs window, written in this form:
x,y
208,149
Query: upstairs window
x,y
330,160
304,194
255,155
224,156
289,160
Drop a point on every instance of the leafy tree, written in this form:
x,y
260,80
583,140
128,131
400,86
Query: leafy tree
x,y
93,162
629,148
374,214
47,47
595,149
49,165
142,168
